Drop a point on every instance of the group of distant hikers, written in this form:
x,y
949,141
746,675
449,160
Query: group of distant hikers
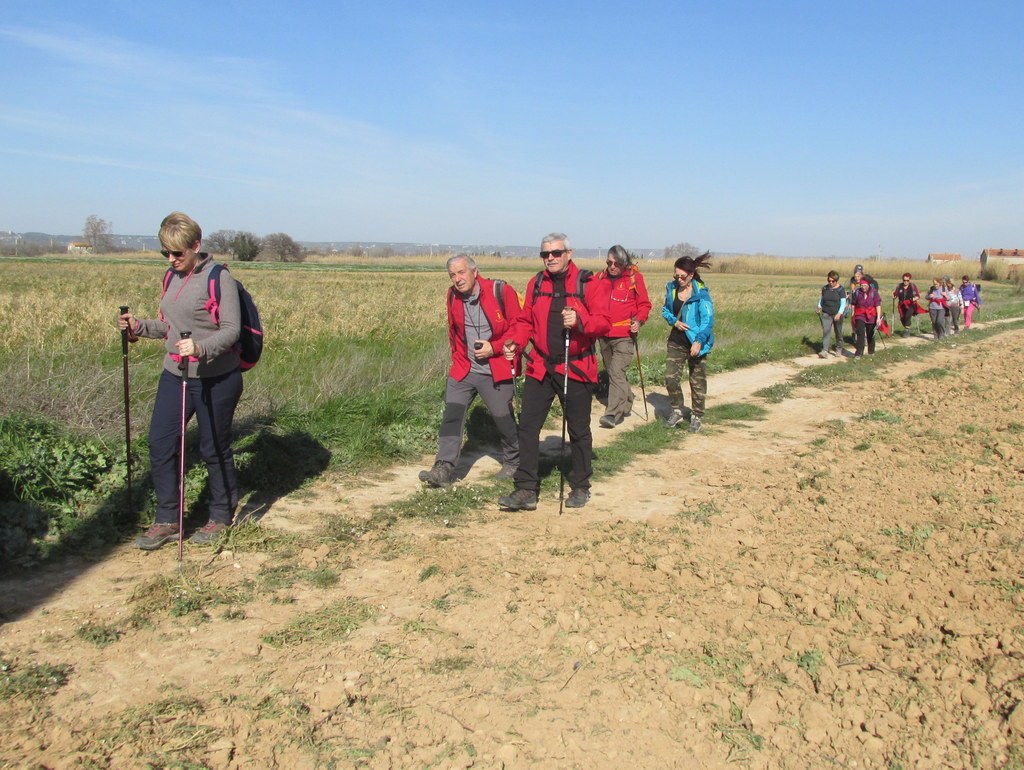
x,y
211,333
861,301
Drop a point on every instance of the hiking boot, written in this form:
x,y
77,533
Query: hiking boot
x,y
834,352
519,500
577,498
507,471
906,333
694,423
156,536
608,421
822,354
438,476
210,532
674,419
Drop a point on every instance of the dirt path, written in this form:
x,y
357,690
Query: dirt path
x,y
838,585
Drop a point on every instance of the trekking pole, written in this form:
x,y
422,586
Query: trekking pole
x,y
561,451
127,414
894,312
183,368
640,369
515,387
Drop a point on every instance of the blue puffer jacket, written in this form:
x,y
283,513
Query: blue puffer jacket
x,y
697,313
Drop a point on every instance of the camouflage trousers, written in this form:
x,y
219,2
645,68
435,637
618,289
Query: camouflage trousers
x,y
675,357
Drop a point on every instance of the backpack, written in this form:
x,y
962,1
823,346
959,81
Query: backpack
x,y
250,337
582,277
499,288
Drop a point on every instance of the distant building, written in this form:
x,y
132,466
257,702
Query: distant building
x,y
1008,256
79,247
943,257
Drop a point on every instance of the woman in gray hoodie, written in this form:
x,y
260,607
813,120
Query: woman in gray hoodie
x,y
214,383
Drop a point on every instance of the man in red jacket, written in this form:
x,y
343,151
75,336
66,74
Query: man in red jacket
x,y
479,314
560,304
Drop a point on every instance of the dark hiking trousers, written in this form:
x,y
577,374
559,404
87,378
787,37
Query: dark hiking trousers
x,y
212,400
537,399
864,332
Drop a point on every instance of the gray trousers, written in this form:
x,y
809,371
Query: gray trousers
x,y
829,327
617,354
458,397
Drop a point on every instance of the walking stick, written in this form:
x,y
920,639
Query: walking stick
x,y
127,413
183,367
640,369
561,451
894,311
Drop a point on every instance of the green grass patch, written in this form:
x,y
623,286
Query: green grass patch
x,y
32,682
429,572
190,591
931,374
912,539
881,415
331,624
736,412
450,665
98,635
702,515
775,394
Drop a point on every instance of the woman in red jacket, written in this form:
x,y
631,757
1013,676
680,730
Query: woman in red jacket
x,y
622,288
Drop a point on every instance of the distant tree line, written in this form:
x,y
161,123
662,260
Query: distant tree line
x,y
677,250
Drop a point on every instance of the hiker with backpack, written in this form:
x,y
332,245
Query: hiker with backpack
x,y
970,293
689,312
907,296
627,304
867,314
954,305
207,345
563,318
937,302
831,309
480,312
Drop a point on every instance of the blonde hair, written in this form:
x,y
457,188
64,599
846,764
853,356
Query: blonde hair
x,y
179,231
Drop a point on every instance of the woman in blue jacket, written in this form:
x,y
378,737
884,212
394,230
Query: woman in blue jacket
x,y
690,314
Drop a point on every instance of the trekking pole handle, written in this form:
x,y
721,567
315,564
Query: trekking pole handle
x,y
124,333
183,363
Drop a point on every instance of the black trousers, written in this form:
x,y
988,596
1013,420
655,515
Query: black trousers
x,y
212,400
863,331
538,395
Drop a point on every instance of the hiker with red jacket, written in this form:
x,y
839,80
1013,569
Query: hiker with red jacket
x,y
907,295
625,299
480,312
559,302
214,381
867,313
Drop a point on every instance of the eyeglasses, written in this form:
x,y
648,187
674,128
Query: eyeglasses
x,y
833,280
175,254
556,253
612,263
681,276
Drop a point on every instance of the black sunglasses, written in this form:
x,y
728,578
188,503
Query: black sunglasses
x,y
556,253
175,254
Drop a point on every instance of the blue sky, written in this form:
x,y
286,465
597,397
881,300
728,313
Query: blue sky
x,y
794,128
